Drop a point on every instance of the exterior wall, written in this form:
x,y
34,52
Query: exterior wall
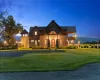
x,y
34,37
62,40
43,38
25,41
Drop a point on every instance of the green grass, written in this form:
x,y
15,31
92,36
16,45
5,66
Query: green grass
x,y
71,59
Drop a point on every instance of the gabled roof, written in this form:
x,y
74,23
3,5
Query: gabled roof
x,y
53,26
52,23
24,32
69,29
30,31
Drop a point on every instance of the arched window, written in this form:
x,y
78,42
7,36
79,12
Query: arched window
x,y
52,32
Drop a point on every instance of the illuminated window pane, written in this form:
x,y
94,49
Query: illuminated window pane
x,y
52,32
35,42
22,34
32,40
26,34
38,40
35,32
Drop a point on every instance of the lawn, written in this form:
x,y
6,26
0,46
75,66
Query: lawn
x,y
71,59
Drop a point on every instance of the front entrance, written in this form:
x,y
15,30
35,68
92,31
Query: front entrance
x,y
52,43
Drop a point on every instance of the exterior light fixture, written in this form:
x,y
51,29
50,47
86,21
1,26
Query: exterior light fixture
x,y
16,41
75,35
20,42
5,42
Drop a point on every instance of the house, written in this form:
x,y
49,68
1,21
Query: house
x,y
49,36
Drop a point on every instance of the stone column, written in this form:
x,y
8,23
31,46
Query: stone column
x,y
48,42
57,44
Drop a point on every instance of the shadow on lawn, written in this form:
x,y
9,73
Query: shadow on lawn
x,y
18,53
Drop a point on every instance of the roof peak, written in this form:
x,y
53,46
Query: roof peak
x,y
24,31
53,20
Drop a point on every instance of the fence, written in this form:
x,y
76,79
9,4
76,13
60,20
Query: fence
x,y
89,46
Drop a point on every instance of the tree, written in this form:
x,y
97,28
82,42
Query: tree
x,y
9,28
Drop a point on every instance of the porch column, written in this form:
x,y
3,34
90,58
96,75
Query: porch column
x,y
48,42
57,45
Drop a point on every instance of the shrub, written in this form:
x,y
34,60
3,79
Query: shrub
x,y
69,47
5,47
61,47
81,46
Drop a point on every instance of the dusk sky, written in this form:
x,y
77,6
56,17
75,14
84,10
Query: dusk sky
x,y
84,14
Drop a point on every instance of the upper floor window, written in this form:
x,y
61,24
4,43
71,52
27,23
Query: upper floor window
x,y
35,32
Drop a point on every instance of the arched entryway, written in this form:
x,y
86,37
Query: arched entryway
x,y
53,37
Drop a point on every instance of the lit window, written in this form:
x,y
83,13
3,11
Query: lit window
x,y
75,35
22,34
26,34
32,40
72,41
35,32
5,42
67,41
52,32
35,42
38,40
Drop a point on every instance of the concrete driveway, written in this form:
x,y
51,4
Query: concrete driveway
x,y
88,72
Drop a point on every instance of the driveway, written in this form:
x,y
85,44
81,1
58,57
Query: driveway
x,y
14,53
88,72
18,53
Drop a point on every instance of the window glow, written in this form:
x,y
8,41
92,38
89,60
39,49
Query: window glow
x,y
26,35
72,41
52,32
5,42
38,40
35,42
23,34
75,35
32,40
35,32
16,41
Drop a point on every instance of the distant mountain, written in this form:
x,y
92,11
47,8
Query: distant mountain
x,y
18,38
85,39
81,39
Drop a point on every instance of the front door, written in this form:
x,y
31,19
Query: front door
x,y
53,43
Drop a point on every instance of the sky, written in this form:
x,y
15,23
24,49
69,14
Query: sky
x,y
84,14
